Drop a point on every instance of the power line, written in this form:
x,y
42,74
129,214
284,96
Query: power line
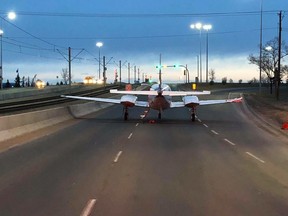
x,y
139,15
150,36
31,35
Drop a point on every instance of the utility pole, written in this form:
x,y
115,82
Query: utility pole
x,y
160,77
138,75
69,60
207,56
129,73
104,71
278,71
120,71
261,45
69,65
134,74
187,71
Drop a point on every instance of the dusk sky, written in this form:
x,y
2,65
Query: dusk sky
x,y
137,32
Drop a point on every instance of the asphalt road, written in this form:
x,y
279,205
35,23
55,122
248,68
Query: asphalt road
x,y
221,164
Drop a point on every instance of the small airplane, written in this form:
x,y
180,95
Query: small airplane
x,y
159,98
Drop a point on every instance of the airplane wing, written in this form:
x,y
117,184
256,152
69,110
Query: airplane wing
x,y
210,102
164,93
107,100
178,104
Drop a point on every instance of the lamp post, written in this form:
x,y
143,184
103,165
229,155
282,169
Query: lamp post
x,y
199,27
99,45
1,70
207,28
11,16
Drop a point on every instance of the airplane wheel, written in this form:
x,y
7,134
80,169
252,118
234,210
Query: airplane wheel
x,y
193,117
126,116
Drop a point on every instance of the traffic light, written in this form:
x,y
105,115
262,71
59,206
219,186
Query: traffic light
x,y
176,65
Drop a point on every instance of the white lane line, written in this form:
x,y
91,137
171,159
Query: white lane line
x,y
117,157
137,124
205,125
214,132
255,157
129,137
87,210
199,120
230,142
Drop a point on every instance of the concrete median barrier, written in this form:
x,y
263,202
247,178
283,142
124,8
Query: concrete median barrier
x,y
16,125
79,110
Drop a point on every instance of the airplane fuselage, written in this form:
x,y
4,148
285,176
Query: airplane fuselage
x,y
159,102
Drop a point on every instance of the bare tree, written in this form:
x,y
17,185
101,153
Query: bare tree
x,y
212,76
65,75
270,59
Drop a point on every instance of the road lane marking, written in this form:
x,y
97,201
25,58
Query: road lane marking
x,y
117,157
255,157
137,124
230,142
205,125
87,210
129,137
213,131
199,120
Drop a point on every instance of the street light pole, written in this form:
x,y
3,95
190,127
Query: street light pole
x,y
199,27
207,28
99,45
1,67
197,80
11,16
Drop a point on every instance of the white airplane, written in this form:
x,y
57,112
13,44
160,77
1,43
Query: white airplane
x,y
159,98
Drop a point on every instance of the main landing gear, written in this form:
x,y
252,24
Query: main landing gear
x,y
193,114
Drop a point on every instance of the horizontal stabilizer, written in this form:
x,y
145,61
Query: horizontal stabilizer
x,y
164,93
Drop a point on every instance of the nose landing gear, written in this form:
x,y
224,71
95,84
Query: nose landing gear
x,y
126,113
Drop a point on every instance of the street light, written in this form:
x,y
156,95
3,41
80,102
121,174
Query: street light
x,y
207,28
11,16
99,45
199,26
